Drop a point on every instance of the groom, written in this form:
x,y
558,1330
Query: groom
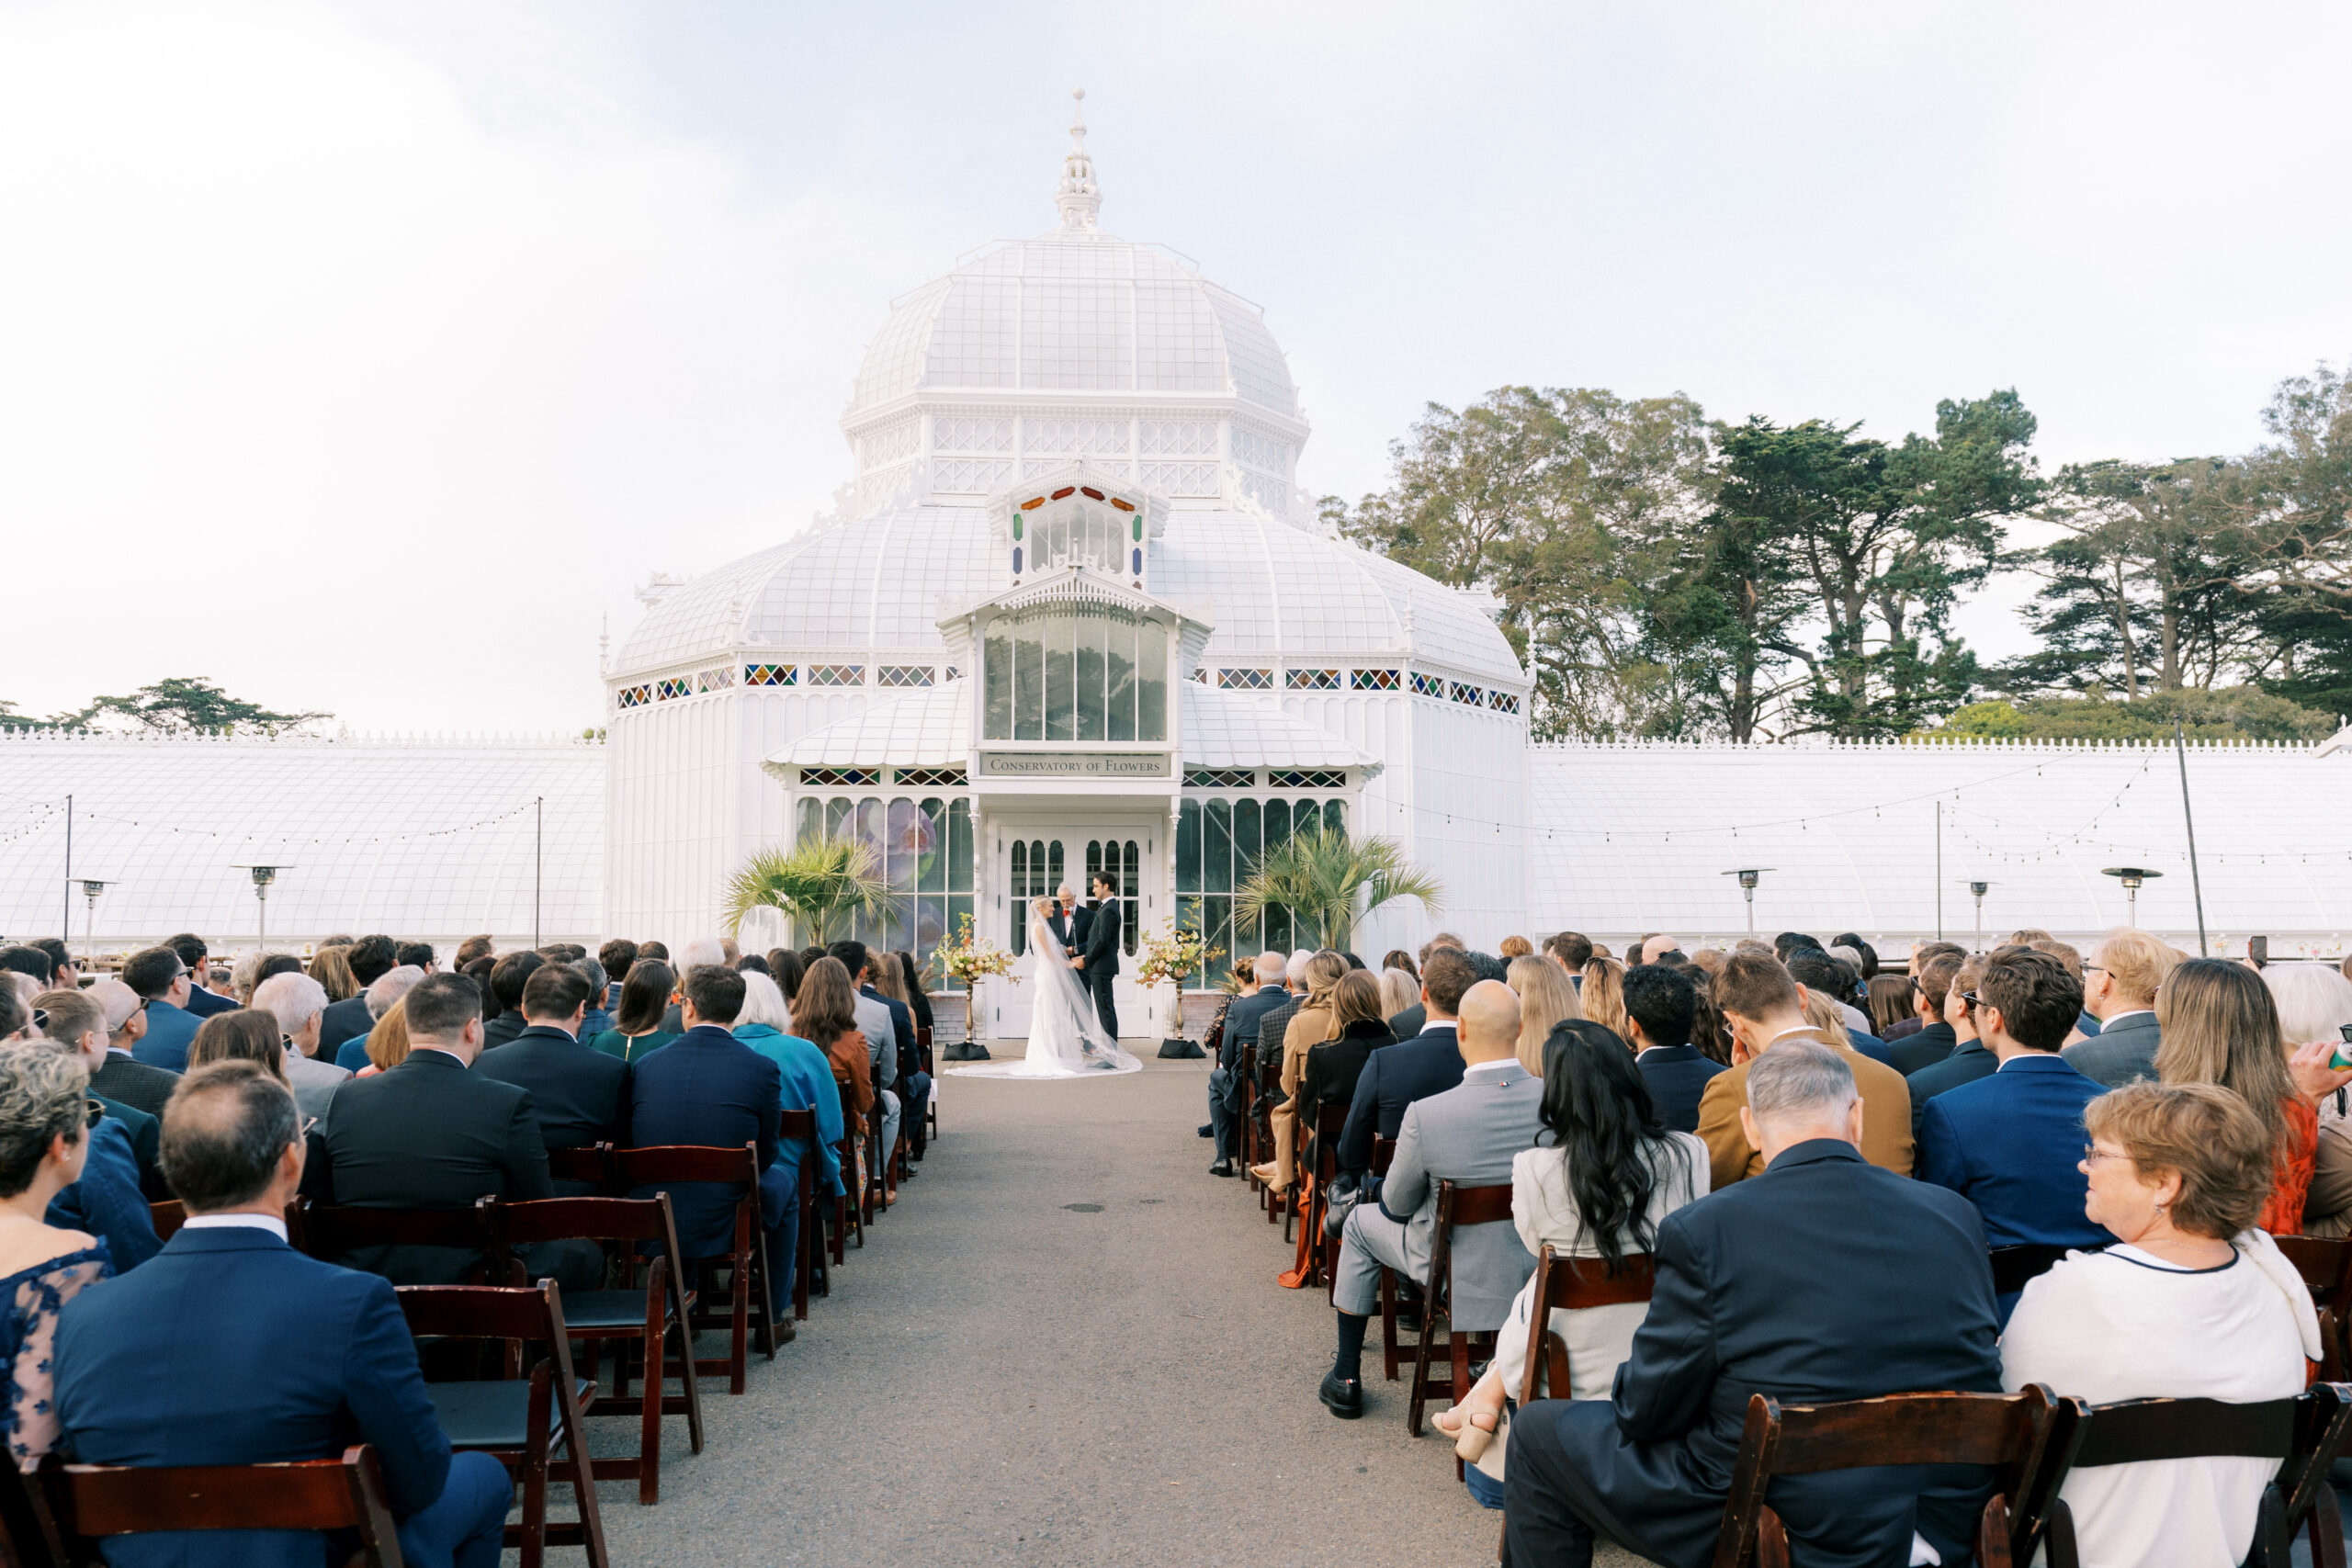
x,y
1098,962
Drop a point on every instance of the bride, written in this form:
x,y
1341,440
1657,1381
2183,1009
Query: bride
x,y
1066,1039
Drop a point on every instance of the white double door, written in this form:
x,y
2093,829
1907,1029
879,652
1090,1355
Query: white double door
x,y
1030,859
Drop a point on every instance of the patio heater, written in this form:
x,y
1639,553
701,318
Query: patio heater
x,y
1980,889
263,876
1748,876
91,888
2130,876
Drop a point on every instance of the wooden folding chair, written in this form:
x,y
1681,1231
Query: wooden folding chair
x,y
930,1106
745,1259
651,1317
85,1504
170,1215
1270,1099
848,1211
1249,1148
1316,1254
1391,1350
1457,1207
356,1237
2325,1263
875,1199
520,1418
593,1164
2013,1433
2304,1434
802,1125
2016,1267
1567,1284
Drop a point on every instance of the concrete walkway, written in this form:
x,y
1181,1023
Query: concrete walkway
x,y
1065,1347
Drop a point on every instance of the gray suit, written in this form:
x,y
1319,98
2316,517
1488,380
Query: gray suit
x,y
882,1044
314,1084
2121,1052
1467,1136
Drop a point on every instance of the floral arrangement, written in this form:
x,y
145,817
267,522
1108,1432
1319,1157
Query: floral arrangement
x,y
969,957
1174,953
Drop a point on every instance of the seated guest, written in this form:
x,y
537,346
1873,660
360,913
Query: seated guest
x,y
1309,1026
2009,1143
1933,1039
164,1368
825,1010
1763,1006
1830,983
201,1001
298,1002
382,995
1546,996
1429,1063
474,947
1570,950
388,1042
911,991
881,1031
1598,1187
638,1032
880,983
1468,1134
806,1075
2220,1026
2085,1026
1603,994
369,960
33,962
122,1077
430,1134
580,1097
2121,984
508,978
1661,1005
2314,1004
42,1266
712,1089
1261,992
108,1197
77,1025
1889,1004
2194,1302
1401,988
1756,1294
598,1018
162,982
693,953
1970,1058
418,955
1358,1029
1273,1028
617,956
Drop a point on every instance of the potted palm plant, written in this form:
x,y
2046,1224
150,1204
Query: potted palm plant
x,y
819,884
1333,881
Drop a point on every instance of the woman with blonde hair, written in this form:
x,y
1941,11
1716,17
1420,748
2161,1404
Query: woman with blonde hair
x,y
1604,994
2218,1024
1546,996
1309,1027
331,967
1399,991
1828,1017
388,1042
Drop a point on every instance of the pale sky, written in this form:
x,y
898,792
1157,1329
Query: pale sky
x,y
365,358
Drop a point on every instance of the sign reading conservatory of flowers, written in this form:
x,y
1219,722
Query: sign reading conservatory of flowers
x,y
1074,764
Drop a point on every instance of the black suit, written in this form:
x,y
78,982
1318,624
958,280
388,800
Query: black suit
x,y
579,1094
1333,1067
1410,1023
134,1083
1925,1049
1070,929
1677,1076
502,1029
1099,945
429,1134
342,1021
1393,1077
1824,1278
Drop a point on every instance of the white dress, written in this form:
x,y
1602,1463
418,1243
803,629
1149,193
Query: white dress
x,y
1066,1039
2120,1325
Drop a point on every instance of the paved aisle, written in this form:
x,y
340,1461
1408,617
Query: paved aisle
x,y
1002,1377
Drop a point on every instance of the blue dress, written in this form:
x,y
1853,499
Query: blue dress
x,y
30,1300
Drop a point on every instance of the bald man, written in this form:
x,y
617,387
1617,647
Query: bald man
x,y
1469,1135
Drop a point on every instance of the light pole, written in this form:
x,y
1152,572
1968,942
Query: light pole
x,y
91,888
263,876
1979,888
2130,876
1748,876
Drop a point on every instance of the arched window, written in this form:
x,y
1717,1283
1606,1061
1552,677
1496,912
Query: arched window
x,y
1075,672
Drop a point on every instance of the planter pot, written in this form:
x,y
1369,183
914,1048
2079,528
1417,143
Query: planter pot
x,y
966,1051
1180,1050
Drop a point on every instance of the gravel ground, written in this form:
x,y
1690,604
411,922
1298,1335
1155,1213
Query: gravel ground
x,y
1064,1347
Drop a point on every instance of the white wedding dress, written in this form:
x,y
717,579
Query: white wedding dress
x,y
1066,1039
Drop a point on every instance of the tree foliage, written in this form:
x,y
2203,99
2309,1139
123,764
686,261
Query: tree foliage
x,y
2235,713
176,703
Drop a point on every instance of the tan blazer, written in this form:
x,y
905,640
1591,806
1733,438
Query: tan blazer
x,y
1887,1116
1309,1027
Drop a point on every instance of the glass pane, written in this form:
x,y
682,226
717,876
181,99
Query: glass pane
x,y
1151,679
996,665
931,863
1131,918
1055,875
812,818
906,842
1278,929
1017,901
1028,683
1335,816
1119,673
1277,825
836,818
1092,630
1220,935
1245,839
1188,847
1094,864
929,929
1216,848
959,849
1060,634
870,827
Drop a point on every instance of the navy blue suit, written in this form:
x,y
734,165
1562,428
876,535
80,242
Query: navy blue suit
x,y
197,1359
106,1202
170,1032
1870,1046
709,1088
1677,1076
1823,1279
1393,1077
2010,1144
1972,1060
1924,1049
1241,1020
204,1003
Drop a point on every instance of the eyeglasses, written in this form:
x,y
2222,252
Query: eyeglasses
x,y
2093,1154
92,1114
2093,968
1969,997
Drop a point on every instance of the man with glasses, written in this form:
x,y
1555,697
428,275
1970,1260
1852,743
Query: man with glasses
x,y
162,982
1971,1059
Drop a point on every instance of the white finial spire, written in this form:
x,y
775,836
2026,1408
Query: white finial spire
x,y
1077,197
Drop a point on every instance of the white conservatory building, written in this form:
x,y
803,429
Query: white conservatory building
x,y
1076,617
